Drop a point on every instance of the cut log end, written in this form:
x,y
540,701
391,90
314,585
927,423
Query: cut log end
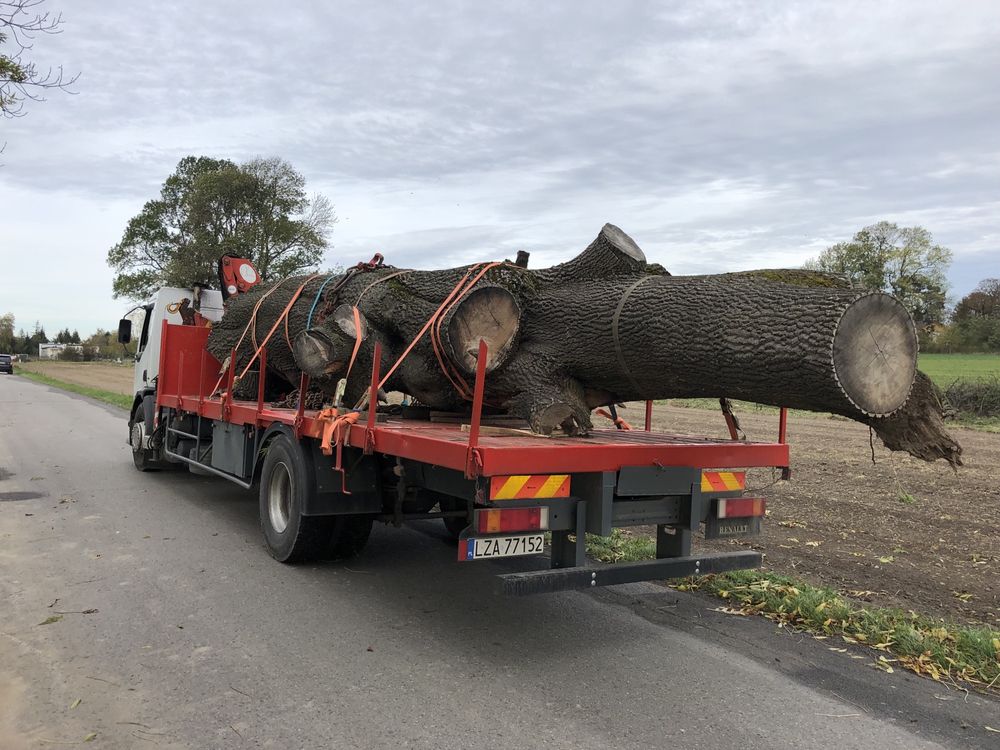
x,y
490,314
314,353
875,354
622,242
326,349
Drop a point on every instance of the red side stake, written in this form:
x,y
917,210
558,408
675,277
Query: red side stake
x,y
473,461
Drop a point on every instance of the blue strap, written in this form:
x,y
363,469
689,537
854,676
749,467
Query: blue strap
x,y
316,301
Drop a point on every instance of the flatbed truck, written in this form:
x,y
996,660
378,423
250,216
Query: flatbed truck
x,y
322,482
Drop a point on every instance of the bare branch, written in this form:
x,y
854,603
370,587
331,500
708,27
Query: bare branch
x,y
20,80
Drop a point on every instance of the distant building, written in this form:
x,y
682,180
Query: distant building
x,y
52,351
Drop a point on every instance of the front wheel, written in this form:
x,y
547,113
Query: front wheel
x,y
285,485
143,458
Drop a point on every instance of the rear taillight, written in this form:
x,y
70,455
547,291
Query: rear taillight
x,y
511,519
741,507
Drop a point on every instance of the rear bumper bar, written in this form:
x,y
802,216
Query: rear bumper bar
x,y
546,581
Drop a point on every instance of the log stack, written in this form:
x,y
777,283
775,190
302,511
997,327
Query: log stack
x,y
603,328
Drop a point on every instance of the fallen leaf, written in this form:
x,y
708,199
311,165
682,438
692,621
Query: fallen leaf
x,y
730,611
90,737
887,559
76,703
991,729
813,544
51,619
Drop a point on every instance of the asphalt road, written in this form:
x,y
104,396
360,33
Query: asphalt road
x,y
195,638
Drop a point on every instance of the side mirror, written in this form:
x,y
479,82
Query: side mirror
x,y
124,331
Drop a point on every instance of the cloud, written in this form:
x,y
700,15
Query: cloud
x,y
721,135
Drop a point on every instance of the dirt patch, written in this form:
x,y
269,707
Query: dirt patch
x,y
107,376
898,533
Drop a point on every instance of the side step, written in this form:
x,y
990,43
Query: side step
x,y
547,581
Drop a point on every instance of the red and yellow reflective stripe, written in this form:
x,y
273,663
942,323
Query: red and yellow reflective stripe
x,y
521,486
723,481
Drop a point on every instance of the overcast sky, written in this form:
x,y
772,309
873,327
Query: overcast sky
x,y
721,136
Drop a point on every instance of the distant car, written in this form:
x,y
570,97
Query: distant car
x,y
6,364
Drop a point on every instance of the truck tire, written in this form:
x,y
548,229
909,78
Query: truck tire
x,y
454,525
285,485
143,458
349,537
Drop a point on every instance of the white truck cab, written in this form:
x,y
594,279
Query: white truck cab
x,y
144,323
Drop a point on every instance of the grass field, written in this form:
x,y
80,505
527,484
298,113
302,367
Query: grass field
x,y
105,381
105,376
944,369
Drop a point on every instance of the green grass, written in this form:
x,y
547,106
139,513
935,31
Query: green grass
x,y
944,369
621,546
921,644
108,397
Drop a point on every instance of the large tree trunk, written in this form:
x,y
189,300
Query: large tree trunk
x,y
602,328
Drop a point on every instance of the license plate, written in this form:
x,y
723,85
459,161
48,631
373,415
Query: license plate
x,y
503,546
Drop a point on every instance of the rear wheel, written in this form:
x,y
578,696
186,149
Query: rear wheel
x,y
349,536
285,486
455,525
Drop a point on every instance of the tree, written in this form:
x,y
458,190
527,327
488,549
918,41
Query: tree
x,y
981,302
210,207
102,344
901,260
976,318
7,339
20,23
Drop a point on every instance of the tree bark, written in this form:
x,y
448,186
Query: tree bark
x,y
604,327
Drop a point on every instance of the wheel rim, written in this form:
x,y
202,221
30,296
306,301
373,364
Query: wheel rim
x,y
136,437
279,497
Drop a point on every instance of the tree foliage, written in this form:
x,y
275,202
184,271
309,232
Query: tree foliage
x,y
975,321
66,337
209,207
21,21
7,338
20,343
901,260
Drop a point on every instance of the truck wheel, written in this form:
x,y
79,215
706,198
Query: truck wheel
x,y
349,537
285,485
455,525
143,458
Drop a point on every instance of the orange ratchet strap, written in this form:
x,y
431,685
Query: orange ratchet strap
x,y
283,316
620,423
